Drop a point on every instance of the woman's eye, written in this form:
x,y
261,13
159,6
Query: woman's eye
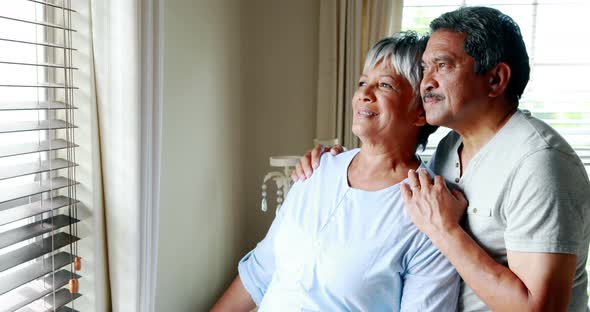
x,y
385,85
362,83
442,65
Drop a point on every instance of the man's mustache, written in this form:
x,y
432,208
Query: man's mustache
x,y
432,95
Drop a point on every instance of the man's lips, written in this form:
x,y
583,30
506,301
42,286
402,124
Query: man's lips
x,y
430,97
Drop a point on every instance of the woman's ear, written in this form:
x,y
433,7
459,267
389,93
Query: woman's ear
x,y
420,117
499,76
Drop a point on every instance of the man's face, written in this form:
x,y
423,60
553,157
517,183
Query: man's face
x,y
451,90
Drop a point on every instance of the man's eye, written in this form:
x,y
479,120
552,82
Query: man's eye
x,y
442,65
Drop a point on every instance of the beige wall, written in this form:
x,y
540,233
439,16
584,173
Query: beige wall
x,y
239,86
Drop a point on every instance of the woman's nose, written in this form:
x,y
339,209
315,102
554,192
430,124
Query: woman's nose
x,y
367,94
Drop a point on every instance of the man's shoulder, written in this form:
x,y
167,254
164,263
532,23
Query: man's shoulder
x,y
530,134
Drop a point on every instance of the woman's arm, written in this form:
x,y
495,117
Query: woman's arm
x,y
235,298
430,282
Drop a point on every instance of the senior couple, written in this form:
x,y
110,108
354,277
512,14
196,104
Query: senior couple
x,y
371,230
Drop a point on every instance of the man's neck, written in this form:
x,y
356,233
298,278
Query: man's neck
x,y
480,131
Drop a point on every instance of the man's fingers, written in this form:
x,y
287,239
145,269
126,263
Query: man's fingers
x,y
336,149
298,172
305,162
459,196
413,179
406,194
316,153
294,176
424,178
440,181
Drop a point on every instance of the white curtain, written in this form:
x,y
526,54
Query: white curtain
x,y
348,28
116,40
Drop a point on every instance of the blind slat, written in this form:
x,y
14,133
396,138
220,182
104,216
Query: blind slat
x,y
35,250
38,85
21,126
25,295
34,147
14,171
45,24
62,297
34,229
48,65
33,105
53,5
39,43
34,209
34,271
34,188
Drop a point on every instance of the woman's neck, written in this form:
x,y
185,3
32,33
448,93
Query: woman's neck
x,y
378,167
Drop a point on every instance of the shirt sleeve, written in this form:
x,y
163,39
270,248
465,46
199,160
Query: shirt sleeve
x,y
548,201
430,282
257,267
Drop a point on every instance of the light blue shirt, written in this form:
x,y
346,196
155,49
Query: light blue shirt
x,y
335,248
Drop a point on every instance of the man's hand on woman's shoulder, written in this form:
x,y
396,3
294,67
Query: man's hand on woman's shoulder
x,y
311,160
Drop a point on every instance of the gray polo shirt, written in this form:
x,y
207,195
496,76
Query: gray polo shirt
x,y
528,191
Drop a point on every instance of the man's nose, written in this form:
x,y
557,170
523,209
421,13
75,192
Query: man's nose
x,y
428,82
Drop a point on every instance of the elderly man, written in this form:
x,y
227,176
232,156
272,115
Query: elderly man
x,y
524,243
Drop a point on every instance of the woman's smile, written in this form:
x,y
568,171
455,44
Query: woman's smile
x,y
366,113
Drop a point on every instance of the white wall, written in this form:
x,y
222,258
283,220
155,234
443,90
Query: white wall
x,y
280,50
239,86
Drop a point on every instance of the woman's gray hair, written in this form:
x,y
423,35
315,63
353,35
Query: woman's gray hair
x,y
404,52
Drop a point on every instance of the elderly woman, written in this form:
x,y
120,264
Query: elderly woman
x,y
342,240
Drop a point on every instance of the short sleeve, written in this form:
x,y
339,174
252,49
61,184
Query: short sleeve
x,y
548,201
258,266
430,282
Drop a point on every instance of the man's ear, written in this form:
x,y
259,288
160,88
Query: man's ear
x,y
421,117
499,76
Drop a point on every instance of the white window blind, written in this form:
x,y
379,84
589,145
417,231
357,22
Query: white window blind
x,y
557,92
38,205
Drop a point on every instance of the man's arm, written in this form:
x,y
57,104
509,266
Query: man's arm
x,y
533,282
235,298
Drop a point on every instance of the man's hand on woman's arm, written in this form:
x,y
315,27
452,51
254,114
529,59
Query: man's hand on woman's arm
x,y
235,298
311,160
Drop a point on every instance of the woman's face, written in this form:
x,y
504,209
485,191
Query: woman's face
x,y
382,106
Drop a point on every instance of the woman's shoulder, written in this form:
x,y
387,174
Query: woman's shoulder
x,y
329,172
329,162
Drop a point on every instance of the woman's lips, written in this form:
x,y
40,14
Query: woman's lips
x,y
365,113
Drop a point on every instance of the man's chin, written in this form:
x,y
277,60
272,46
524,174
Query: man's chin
x,y
435,118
